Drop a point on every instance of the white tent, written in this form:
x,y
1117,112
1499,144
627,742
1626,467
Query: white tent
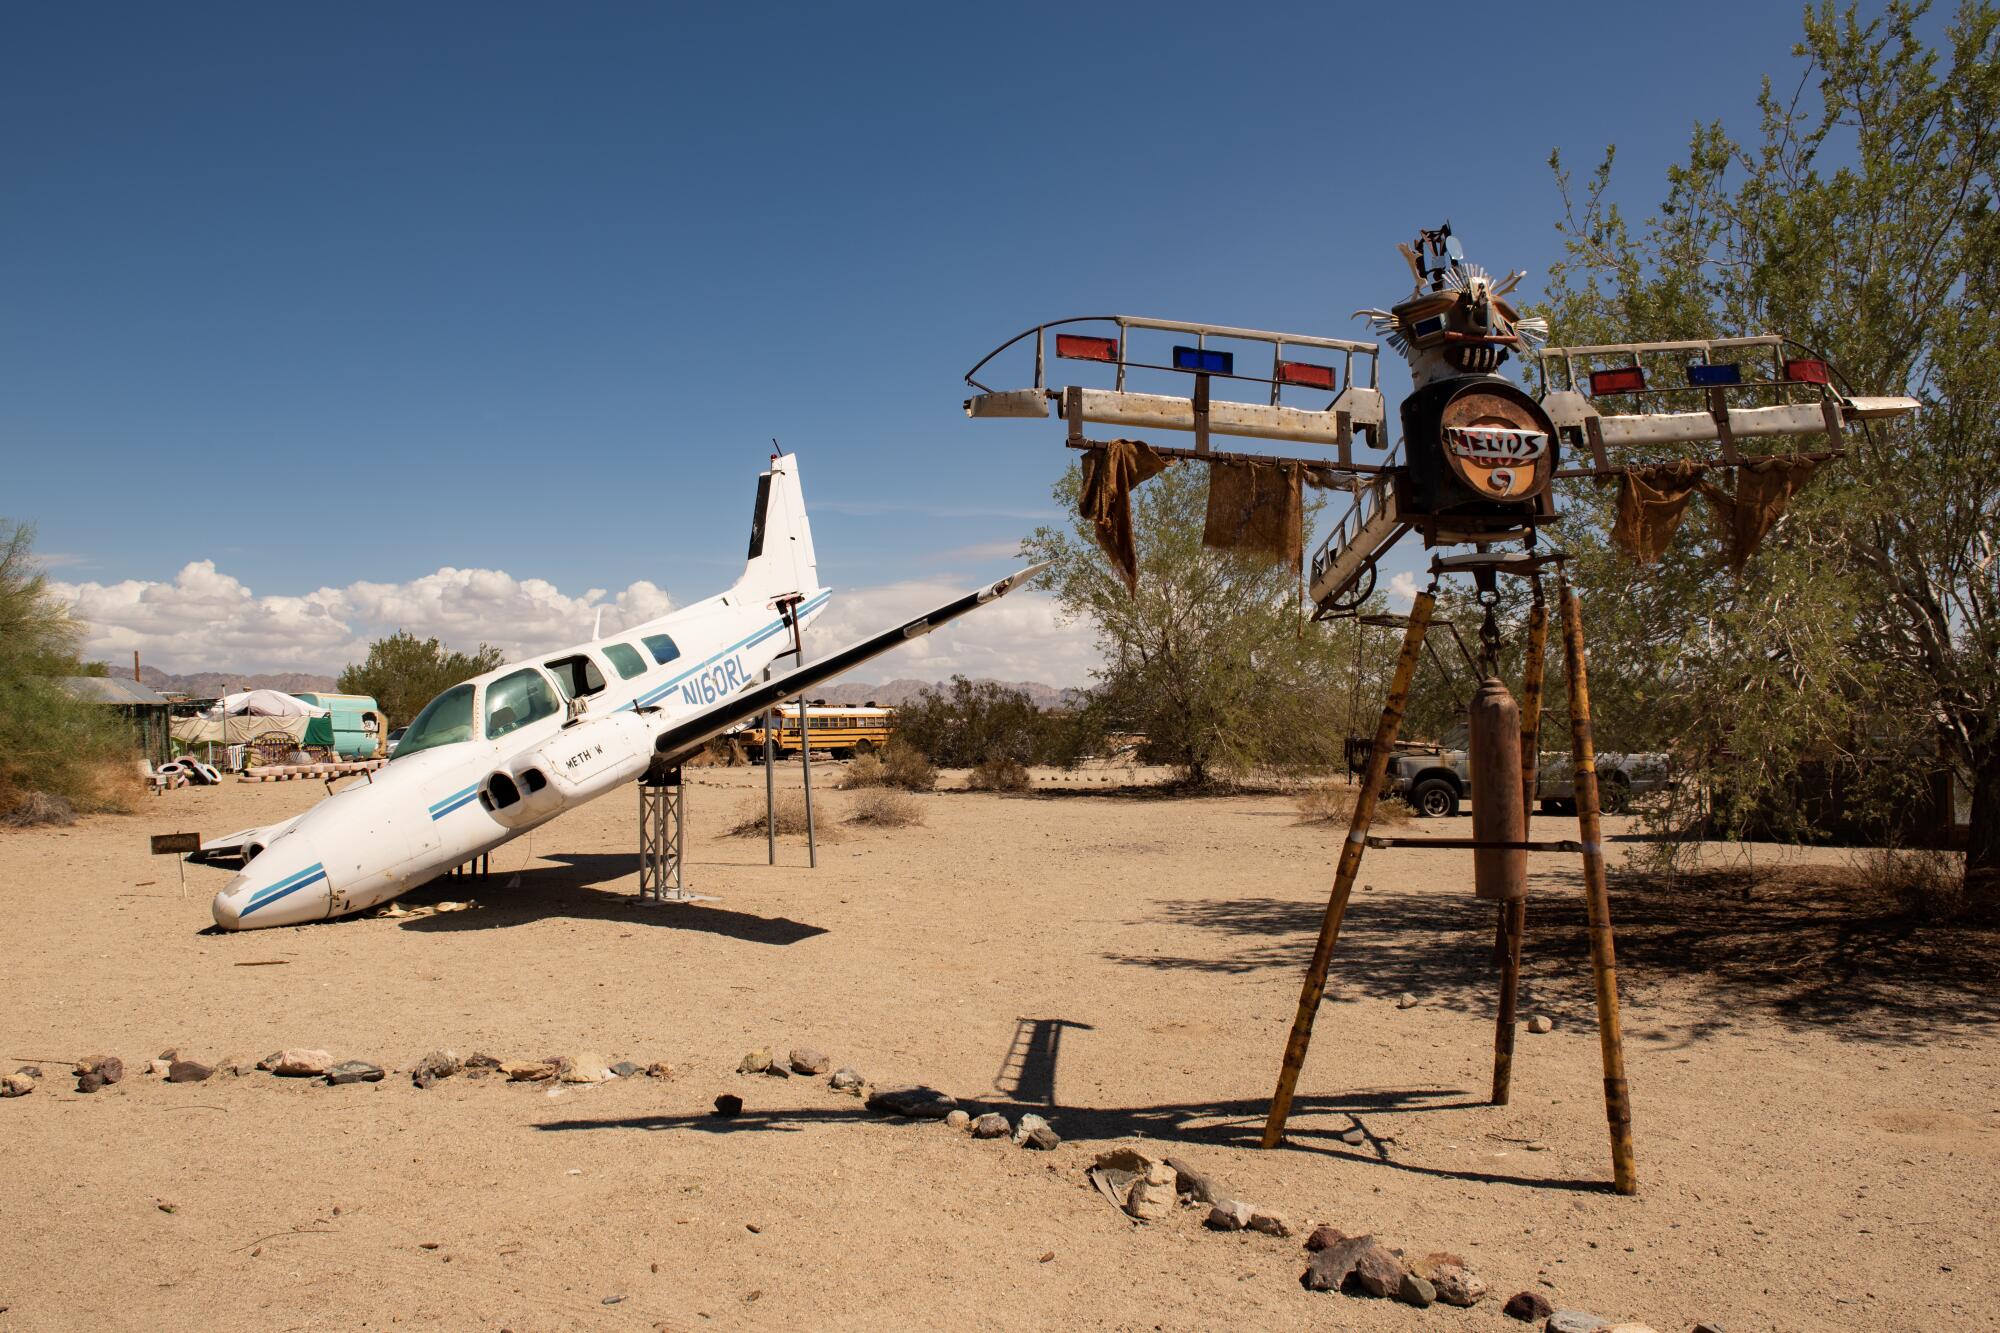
x,y
264,703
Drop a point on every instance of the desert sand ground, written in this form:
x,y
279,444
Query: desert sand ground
x,y
1816,1095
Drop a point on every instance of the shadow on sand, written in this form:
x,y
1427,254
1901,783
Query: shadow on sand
x,y
569,890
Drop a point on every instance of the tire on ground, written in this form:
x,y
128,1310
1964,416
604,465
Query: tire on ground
x,y
1434,798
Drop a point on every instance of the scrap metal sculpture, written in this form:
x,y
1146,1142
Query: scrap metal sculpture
x,y
1476,467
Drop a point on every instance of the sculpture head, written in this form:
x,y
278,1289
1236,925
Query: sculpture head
x,y
1458,321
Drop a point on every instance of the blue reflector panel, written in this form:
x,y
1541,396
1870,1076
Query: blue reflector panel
x,y
1706,376
1201,358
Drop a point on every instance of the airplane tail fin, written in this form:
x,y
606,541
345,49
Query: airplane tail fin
x,y
781,562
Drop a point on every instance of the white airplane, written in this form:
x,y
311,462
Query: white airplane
x,y
488,760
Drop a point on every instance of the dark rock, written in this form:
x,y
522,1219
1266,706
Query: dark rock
x,y
107,1067
1193,1184
481,1060
171,1054
187,1071
806,1060
992,1125
1042,1139
1355,1264
1707,1327
1228,1215
354,1071
659,1069
1416,1291
916,1102
728,1104
1323,1236
626,1069
32,1071
1527,1306
777,1069
847,1079
437,1065
90,1082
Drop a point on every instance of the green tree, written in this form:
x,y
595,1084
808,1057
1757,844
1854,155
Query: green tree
x,y
1211,658
1860,221
50,742
404,673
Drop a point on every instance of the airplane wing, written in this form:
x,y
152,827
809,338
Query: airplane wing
x,y
689,734
229,847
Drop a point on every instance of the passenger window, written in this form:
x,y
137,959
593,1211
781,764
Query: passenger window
x,y
662,647
577,676
626,658
514,701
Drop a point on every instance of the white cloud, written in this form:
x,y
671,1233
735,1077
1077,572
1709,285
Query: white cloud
x,y
1403,588
205,619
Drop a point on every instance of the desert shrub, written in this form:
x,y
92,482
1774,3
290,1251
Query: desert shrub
x,y
865,771
1333,803
39,809
905,766
999,775
788,814
1925,884
885,807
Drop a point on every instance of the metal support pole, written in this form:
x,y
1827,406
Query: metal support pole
x,y
663,839
805,738
770,780
1350,865
1597,900
1514,915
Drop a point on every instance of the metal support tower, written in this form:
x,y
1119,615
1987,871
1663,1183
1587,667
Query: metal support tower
x,y
662,838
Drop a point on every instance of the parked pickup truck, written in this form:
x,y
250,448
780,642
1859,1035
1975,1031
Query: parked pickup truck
x,y
1434,782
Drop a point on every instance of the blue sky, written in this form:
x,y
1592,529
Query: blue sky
x,y
343,293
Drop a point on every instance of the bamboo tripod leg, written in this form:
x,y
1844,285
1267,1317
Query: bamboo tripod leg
x,y
1349,864
1514,915
1597,899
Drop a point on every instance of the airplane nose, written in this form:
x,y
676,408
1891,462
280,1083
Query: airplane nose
x,y
284,885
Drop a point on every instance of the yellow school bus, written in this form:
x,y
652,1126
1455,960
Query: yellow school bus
x,y
838,731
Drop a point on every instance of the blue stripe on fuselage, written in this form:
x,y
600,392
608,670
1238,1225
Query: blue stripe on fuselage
x,y
284,888
775,627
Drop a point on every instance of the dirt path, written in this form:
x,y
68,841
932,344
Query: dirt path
x,y
1816,1088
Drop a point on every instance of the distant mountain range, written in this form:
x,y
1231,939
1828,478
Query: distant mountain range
x,y
211,684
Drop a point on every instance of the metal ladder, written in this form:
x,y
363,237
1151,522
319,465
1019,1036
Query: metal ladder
x,y
1349,554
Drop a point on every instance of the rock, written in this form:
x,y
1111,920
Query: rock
x,y
1406,1001
300,1063
16,1085
158,1068
529,1071
188,1071
913,1101
1355,1264
1629,1328
992,1125
847,1079
1354,1136
586,1067
957,1120
1192,1184
171,1054
1035,1132
777,1069
1416,1291
1541,1023
1575,1321
1527,1306
728,1104
756,1062
1705,1326
1153,1196
481,1062
626,1069
90,1082
107,1067
1323,1236
806,1060
353,1071
32,1071
659,1069
1455,1283
1270,1223
1228,1215
435,1066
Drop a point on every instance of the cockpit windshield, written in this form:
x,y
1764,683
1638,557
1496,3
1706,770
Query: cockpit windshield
x,y
446,720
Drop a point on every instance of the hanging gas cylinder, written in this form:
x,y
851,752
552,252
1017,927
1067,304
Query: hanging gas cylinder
x,y
1493,726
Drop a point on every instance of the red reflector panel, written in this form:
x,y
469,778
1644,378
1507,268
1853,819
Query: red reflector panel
x,y
1306,373
1619,379
1079,348
1807,372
